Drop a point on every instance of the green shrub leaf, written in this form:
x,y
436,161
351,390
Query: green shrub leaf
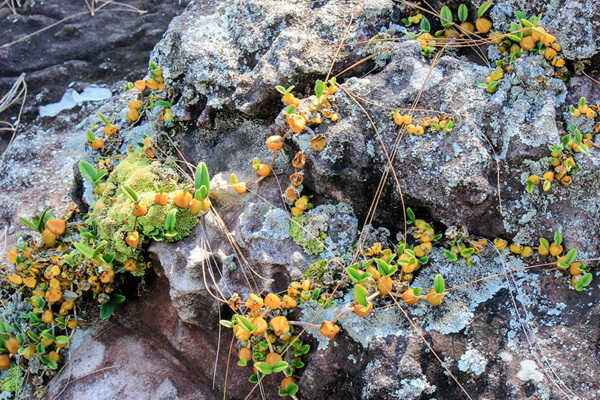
x,y
463,13
446,17
425,25
439,284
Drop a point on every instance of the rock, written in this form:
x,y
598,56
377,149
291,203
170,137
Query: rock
x,y
573,22
110,46
261,231
521,335
100,363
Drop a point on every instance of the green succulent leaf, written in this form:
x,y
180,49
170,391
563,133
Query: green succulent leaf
x,y
446,17
450,256
544,243
558,238
246,324
467,252
463,13
89,135
439,285
88,172
411,215
280,366
130,193
425,25
263,367
483,8
571,256
170,220
356,275
319,88
202,178
360,294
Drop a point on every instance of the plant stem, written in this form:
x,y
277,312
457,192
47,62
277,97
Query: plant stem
x,y
346,311
305,324
371,297
269,343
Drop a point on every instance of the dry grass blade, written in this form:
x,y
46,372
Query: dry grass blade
x,y
18,92
497,172
435,354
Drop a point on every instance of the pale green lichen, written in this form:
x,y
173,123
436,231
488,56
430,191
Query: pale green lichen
x,y
112,211
312,246
316,271
12,380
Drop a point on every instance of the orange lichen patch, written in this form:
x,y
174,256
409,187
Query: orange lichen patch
x,y
291,193
53,355
161,199
97,144
363,311
434,298
274,143
264,170
299,160
152,84
107,276
133,115
47,317
409,296
245,354
12,345
297,123
140,85
272,301
182,199
297,178
131,265
53,295
254,302
385,285
56,226
140,209
280,325
241,333
4,361
133,239
261,326
48,239
15,279
12,256
329,329
240,187
110,129
30,282
272,358
289,302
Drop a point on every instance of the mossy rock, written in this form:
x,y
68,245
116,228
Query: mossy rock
x,y
12,380
112,211
310,245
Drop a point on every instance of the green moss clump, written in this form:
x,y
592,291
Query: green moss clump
x,y
312,246
316,270
12,380
112,211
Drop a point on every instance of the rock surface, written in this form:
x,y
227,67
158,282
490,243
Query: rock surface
x,y
524,335
109,46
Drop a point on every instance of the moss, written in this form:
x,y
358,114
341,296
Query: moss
x,y
12,380
312,246
316,271
112,210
